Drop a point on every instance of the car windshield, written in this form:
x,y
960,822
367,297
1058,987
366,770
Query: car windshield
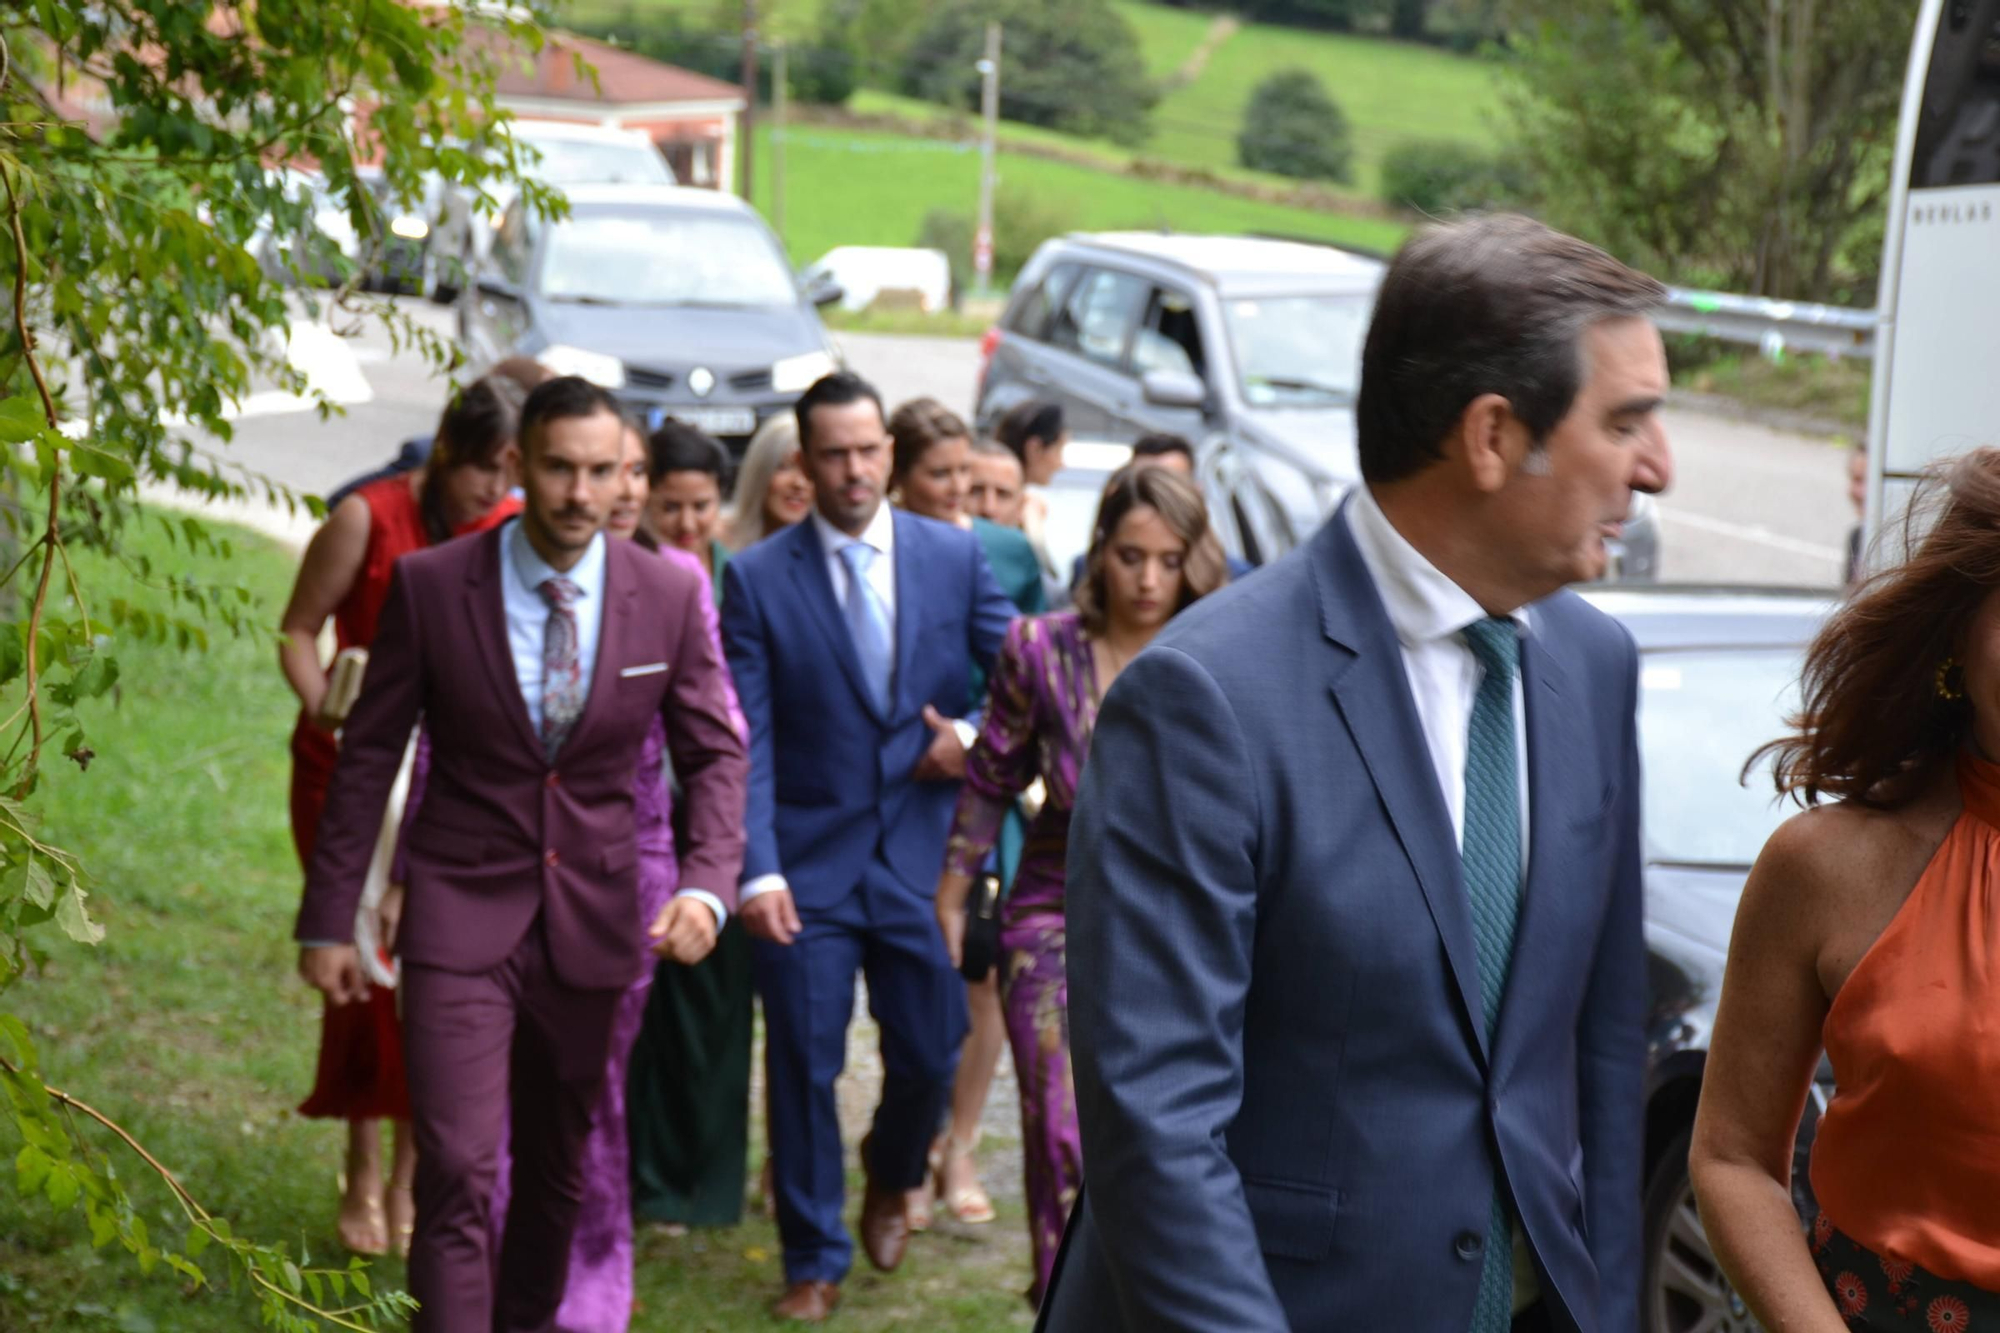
x,y
665,258
1701,713
580,162
1297,351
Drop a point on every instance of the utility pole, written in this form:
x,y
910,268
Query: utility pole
x,y
982,240
749,97
781,105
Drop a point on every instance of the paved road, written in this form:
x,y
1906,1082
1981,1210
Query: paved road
x,y
1750,505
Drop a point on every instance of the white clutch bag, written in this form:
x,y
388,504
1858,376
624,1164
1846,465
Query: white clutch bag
x,y
376,960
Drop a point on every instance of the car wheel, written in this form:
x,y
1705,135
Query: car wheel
x,y
1685,1290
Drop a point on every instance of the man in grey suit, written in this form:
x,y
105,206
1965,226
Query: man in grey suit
x,y
1356,971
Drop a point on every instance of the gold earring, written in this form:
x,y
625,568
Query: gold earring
x,y
1946,690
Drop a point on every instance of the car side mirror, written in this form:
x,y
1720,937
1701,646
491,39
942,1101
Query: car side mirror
x,y
823,290
1173,388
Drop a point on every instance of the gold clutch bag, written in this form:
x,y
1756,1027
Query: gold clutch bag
x,y
343,684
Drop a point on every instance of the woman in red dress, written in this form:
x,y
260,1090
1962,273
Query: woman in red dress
x,y
345,577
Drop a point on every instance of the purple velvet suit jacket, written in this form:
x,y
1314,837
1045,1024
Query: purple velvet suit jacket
x,y
504,834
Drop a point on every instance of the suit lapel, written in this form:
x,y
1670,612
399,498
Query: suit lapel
x,y
613,630
1556,739
823,607
486,616
909,586
1371,689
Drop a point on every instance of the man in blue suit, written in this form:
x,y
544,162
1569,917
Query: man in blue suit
x,y
852,638
1356,971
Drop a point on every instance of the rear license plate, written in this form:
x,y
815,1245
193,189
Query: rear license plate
x,y
714,420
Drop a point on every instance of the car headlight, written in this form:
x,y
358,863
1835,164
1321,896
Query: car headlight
x,y
796,374
410,228
600,368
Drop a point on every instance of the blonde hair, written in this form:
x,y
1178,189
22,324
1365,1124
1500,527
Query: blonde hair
x,y
775,443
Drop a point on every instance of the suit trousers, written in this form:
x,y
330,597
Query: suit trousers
x,y
886,930
510,1043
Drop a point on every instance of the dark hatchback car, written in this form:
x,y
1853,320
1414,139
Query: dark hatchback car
x,y
679,300
1718,673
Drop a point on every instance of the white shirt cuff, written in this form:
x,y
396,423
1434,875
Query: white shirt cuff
x,y
967,733
710,901
761,885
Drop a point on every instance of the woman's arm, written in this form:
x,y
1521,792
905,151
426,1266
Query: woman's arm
x,y
1760,1069
1001,764
332,562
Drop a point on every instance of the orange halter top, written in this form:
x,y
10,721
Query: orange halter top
x,y
1907,1158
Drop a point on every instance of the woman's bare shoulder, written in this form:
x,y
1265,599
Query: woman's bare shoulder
x,y
1846,847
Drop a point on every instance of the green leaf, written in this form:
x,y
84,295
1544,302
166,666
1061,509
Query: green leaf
x,y
31,1168
15,1044
39,889
20,419
75,919
197,1240
95,677
62,1188
103,1227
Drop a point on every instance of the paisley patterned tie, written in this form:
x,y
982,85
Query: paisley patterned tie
x,y
562,671
1492,859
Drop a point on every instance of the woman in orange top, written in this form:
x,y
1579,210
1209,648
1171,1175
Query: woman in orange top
x,y
1871,927
345,577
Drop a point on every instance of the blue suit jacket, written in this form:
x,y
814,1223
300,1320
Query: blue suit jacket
x,y
1287,1097
830,776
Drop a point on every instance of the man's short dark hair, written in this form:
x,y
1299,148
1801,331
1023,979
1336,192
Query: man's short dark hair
x,y
1495,303
835,390
1160,443
679,447
560,399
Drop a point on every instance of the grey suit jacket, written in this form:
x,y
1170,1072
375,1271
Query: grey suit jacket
x,y
1289,1105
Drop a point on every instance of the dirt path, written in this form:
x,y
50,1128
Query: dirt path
x,y
1220,30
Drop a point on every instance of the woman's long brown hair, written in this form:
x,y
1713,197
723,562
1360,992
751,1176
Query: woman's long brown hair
x,y
1873,726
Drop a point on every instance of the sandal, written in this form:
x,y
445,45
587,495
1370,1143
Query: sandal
x,y
968,1203
404,1232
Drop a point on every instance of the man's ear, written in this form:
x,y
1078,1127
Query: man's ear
x,y
1487,442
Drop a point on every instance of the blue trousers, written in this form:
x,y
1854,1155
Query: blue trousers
x,y
887,931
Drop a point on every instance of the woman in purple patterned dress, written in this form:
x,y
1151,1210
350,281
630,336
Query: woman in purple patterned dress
x,y
598,1297
1152,554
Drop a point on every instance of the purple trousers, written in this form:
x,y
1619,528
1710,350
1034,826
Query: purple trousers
x,y
511,1044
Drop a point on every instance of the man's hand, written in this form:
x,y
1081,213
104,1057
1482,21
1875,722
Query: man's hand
x,y
388,916
683,931
945,760
771,916
334,970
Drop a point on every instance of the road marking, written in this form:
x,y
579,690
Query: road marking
x,y
1752,533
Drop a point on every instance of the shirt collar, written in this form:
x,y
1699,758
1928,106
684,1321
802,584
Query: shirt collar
x,y
1423,604
529,567
880,532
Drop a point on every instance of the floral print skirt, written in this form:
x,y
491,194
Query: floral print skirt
x,y
1877,1294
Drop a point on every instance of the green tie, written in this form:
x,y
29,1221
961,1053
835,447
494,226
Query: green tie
x,y
1491,850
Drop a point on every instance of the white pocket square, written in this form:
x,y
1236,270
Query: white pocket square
x,y
650,669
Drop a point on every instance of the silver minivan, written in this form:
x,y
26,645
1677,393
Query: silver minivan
x,y
1249,347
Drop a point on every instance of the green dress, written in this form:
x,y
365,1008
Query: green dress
x,y
688,1090
1018,571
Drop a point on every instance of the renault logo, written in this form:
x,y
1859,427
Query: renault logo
x,y
702,381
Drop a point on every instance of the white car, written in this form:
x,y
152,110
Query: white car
x,y
865,272
570,154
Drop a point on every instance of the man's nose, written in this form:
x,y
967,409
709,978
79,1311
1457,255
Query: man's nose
x,y
1655,471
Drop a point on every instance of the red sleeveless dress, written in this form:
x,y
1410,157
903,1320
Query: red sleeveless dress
x,y
1907,1158
360,1074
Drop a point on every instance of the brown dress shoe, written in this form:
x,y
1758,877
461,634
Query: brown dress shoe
x,y
807,1302
885,1219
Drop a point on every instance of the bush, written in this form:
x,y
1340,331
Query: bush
x,y
1071,65
1438,176
825,72
1021,222
1294,128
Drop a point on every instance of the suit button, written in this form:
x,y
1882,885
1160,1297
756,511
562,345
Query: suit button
x,y
551,859
551,781
1468,1245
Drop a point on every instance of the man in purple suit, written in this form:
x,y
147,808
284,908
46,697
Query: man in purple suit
x,y
536,656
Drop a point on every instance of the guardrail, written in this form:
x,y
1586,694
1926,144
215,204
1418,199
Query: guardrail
x,y
1772,326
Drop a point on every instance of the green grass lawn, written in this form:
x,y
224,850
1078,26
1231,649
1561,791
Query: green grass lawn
x,y
857,188
1167,37
1390,91
189,1026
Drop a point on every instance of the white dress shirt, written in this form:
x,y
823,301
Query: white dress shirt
x,y
528,623
1430,613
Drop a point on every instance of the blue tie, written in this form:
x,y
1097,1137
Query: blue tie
x,y
868,622
1491,850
